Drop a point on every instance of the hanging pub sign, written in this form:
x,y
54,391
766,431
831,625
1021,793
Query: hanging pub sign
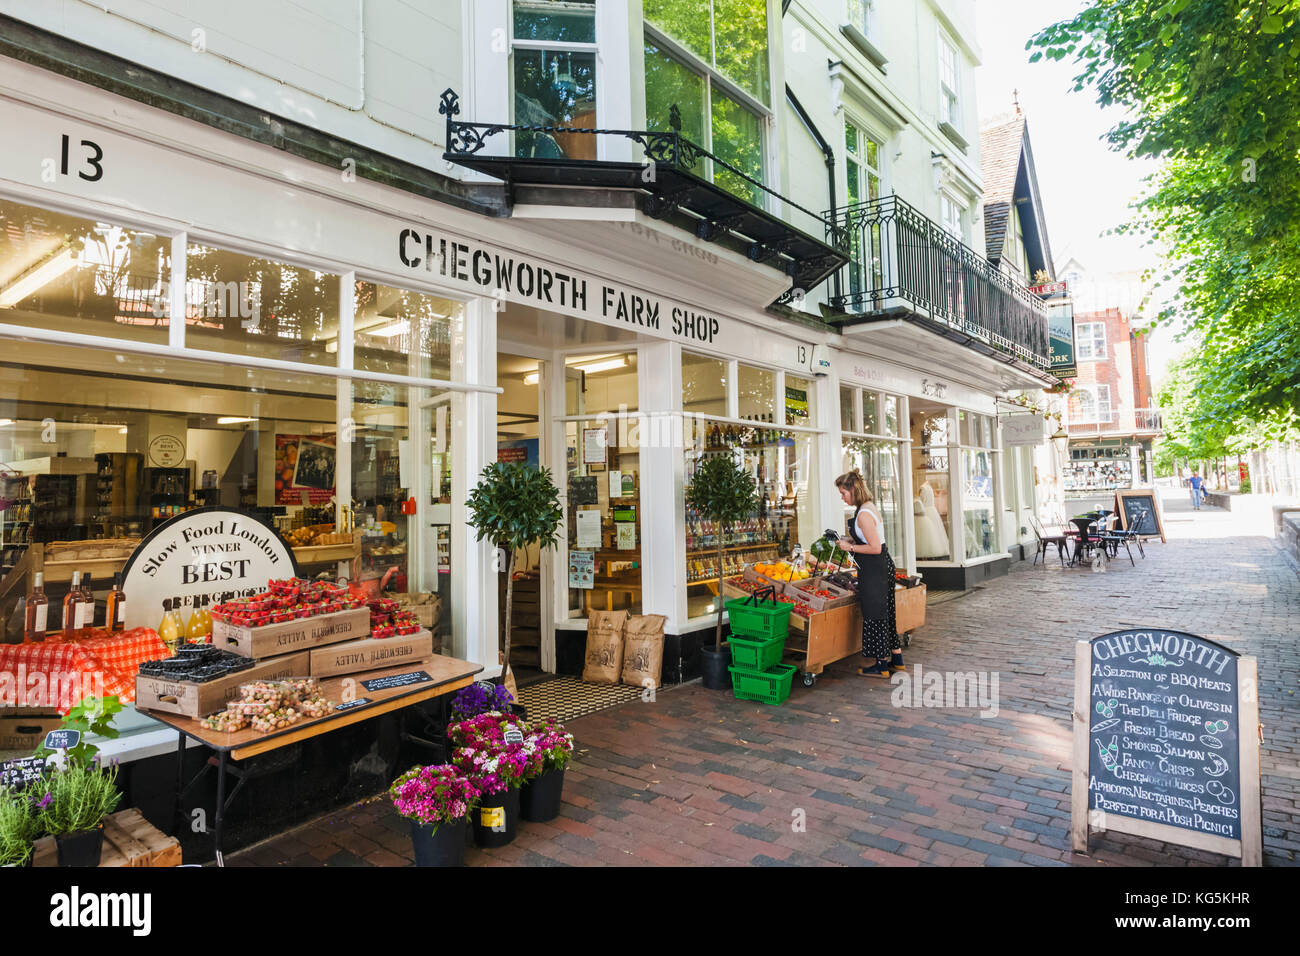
x,y
209,554
1060,338
1166,742
1024,429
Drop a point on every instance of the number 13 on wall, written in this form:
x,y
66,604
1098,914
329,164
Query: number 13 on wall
x,y
92,161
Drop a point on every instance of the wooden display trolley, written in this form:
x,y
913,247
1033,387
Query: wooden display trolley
x,y
831,635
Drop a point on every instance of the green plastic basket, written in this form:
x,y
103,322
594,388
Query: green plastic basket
x,y
766,687
763,621
756,655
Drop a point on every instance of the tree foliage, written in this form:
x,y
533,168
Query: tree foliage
x,y
1213,90
722,492
514,505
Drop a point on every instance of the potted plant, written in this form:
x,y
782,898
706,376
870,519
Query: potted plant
x,y
483,697
71,806
550,747
437,800
514,506
17,828
490,749
724,493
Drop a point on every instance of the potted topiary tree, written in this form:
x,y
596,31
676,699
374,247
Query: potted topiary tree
x,y
724,493
513,506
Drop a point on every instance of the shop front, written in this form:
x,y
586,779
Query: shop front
x,y
930,446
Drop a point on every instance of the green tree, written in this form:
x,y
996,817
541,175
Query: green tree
x,y
724,493
1213,89
514,505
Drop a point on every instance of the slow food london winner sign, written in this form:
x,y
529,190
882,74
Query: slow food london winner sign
x,y
1166,741
211,553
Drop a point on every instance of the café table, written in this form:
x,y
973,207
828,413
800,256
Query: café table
x,y
1083,523
357,697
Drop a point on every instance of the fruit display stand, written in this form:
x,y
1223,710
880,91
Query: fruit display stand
x,y
824,637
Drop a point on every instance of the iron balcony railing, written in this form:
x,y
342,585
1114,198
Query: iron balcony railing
x,y
677,175
1095,423
901,261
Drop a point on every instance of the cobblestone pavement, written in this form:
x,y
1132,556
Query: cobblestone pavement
x,y
698,777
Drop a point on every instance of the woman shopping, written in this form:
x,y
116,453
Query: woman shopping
x,y
866,542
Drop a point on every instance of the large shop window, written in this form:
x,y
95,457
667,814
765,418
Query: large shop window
x,y
711,116
932,443
603,465
554,76
772,441
978,494
107,444
878,455
77,275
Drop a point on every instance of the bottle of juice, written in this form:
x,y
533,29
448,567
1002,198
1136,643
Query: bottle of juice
x,y
86,610
172,628
194,630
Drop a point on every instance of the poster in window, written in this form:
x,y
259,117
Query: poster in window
x,y
582,570
583,490
589,529
294,478
626,535
796,404
593,446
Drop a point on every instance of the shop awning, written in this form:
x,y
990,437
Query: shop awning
x,y
671,177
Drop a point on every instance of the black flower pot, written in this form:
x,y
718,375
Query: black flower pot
x,y
443,846
714,668
519,710
496,821
539,800
82,848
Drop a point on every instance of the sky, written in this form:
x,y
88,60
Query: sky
x,y
1086,186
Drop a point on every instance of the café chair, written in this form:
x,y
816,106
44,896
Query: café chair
x,y
1111,538
1046,540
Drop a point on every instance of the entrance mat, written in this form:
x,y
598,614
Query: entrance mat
x,y
564,698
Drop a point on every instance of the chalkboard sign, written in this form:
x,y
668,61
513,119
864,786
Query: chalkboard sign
x,y
1168,731
584,491
1139,513
22,772
62,739
396,680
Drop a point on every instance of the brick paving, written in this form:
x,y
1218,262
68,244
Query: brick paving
x,y
699,778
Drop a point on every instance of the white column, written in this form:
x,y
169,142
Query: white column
x,y
176,291
828,456
474,418
663,522
956,497
905,483
1000,490
345,434
1135,468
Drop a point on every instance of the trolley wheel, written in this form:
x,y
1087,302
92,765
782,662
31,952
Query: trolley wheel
x,y
907,639
809,680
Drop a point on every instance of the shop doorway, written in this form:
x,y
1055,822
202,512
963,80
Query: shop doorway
x,y
520,438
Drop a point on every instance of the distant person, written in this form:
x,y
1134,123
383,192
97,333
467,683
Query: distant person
x,y
1197,484
1186,477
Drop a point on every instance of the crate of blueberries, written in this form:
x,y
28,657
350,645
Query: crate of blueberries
x,y
197,663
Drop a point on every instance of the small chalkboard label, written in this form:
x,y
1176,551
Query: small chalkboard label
x,y
352,704
1163,732
396,680
584,490
514,735
62,739
22,772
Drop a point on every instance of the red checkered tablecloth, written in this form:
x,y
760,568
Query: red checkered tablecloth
x,y
59,674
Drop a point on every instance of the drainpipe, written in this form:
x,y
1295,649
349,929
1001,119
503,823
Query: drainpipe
x,y
827,151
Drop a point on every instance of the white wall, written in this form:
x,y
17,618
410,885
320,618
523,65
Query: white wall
x,y
369,71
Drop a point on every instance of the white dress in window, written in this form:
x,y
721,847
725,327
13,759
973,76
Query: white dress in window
x,y
931,537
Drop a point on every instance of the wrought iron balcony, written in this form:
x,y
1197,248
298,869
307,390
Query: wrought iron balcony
x,y
902,263
678,178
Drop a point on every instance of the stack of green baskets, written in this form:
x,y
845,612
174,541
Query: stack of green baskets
x,y
758,630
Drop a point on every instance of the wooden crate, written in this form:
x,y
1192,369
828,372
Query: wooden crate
x,y
198,700
301,634
129,841
841,598
368,654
